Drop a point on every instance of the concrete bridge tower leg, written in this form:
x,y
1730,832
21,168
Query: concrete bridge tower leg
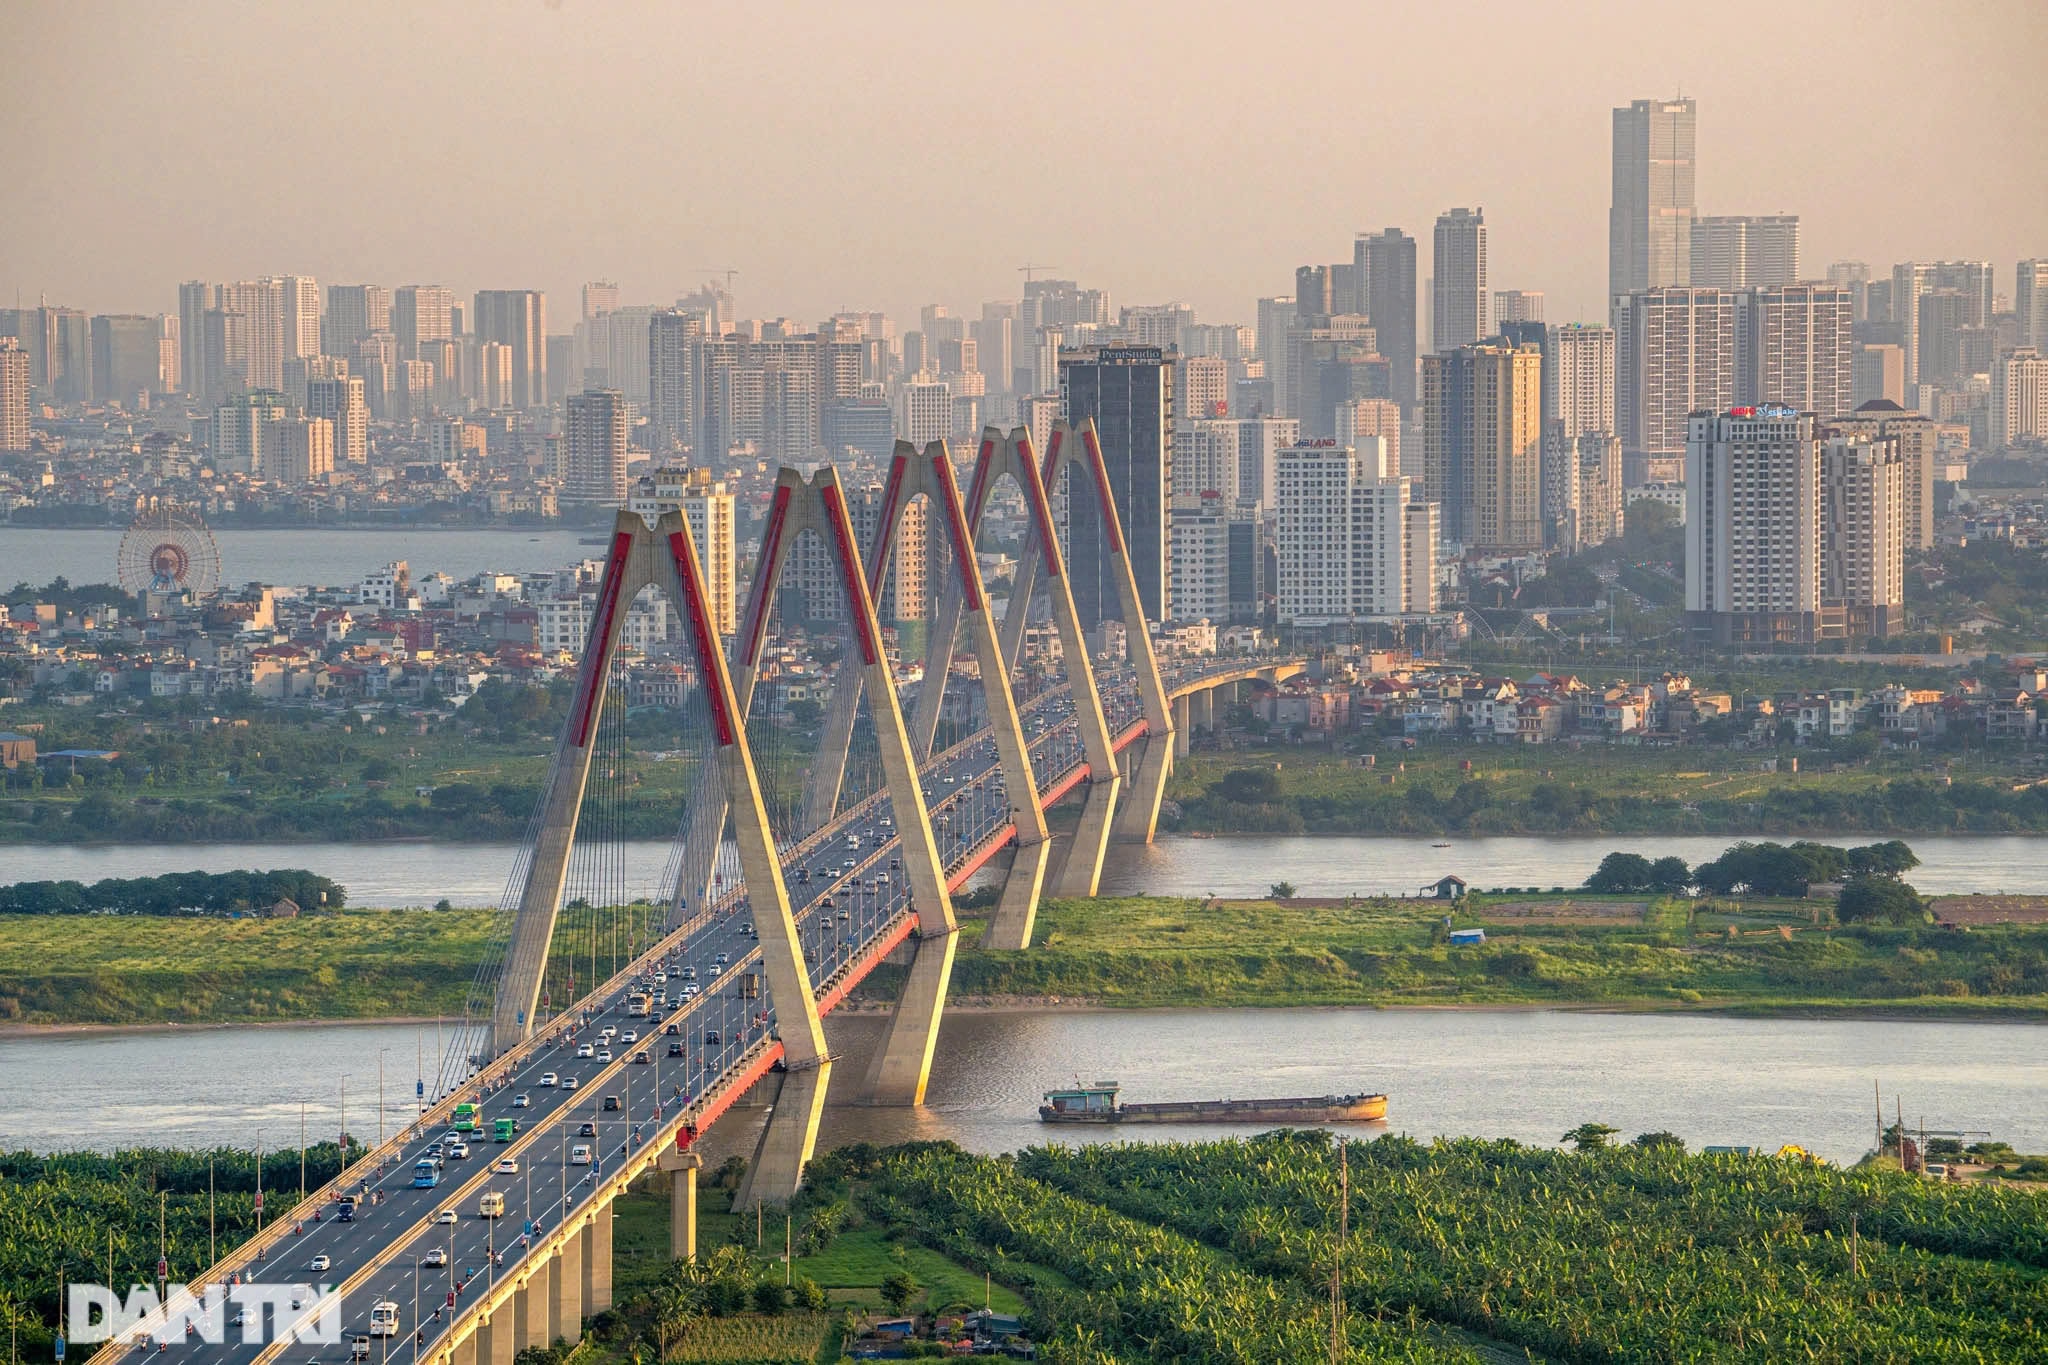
x,y
788,1139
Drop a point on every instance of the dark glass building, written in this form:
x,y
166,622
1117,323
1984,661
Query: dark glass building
x,y
1128,390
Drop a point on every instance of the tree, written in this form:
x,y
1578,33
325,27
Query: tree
x,y
1669,874
1890,858
809,1295
1281,891
1659,1140
1874,898
1249,786
769,1297
1589,1137
899,1289
1620,874
805,712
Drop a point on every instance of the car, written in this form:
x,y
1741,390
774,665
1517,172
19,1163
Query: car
x,y
436,1256
608,1031
445,1216
672,1030
570,1082
691,990
716,969
661,978
458,1151
586,1129
612,1104
630,1036
604,1054
506,1165
675,1049
586,1049
748,929
643,1058
722,959
321,1262
579,1155
689,973
521,1101
711,1038
548,1079
433,1150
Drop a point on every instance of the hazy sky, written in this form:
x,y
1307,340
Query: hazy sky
x,y
887,155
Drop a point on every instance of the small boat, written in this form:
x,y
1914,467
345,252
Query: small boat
x,y
1097,1103
1445,845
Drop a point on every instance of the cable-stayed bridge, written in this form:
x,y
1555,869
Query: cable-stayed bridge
x,y
611,1025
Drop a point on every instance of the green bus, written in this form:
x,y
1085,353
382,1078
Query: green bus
x,y
503,1129
466,1118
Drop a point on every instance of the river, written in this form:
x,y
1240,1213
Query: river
x,y
402,874
331,557
1493,1073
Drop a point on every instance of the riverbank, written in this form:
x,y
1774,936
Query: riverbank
x,y
1540,951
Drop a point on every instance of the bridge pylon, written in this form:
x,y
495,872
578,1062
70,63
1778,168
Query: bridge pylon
x,y
665,556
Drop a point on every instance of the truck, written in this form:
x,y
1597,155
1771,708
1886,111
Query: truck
x,y
384,1318
467,1119
638,1004
503,1129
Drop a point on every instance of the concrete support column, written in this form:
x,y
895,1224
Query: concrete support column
x,y
494,1339
530,1307
565,1307
1138,818
1016,913
682,1202
464,1351
599,1273
1182,731
1081,873
786,1143
1202,711
586,1256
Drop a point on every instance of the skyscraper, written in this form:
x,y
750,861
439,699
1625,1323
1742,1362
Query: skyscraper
x,y
195,299
1128,390
1674,355
341,402
1385,270
301,316
261,303
1972,281
1341,536
1459,314
13,394
594,449
127,357
518,319
1753,526
1862,536
1793,347
672,376
2019,398
708,507
1650,217
1914,436
1517,305
354,311
1745,252
1482,445
2030,303
421,314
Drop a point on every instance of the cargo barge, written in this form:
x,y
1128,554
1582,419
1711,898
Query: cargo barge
x,y
1097,1103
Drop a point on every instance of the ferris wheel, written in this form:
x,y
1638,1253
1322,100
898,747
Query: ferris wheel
x,y
167,548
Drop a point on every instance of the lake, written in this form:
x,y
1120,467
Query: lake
x,y
401,874
1526,1074
327,557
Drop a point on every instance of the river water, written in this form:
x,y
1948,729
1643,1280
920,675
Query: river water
x,y
402,874
299,556
1494,1073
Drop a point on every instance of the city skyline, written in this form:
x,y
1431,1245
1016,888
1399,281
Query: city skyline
x,y
741,161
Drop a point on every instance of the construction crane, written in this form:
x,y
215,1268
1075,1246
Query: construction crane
x,y
1030,266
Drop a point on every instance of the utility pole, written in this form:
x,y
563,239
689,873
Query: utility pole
x,y
1337,1341
302,1151
212,1246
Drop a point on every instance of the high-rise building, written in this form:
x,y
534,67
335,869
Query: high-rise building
x,y
1384,268
1862,540
1331,361
1855,277
354,311
924,409
708,507
1745,252
1649,220
1753,526
1459,314
518,319
672,377
248,433
1201,555
1674,355
1793,347
599,297
421,314
341,401
2019,398
195,299
1972,281
127,357
993,334
305,451
1204,386
1517,305
1259,443
1364,418
2030,303
1482,445
301,299
1128,390
1275,316
1341,536
1877,371
1914,436
493,375
1579,378
224,352
13,394
262,304
1204,461
593,468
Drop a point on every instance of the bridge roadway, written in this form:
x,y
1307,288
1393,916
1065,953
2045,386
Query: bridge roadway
x,y
431,1252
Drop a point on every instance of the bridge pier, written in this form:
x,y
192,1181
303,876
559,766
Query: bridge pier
x,y
565,1306
1138,817
494,1341
530,1308
788,1139
1183,729
464,1352
902,1067
1017,912
597,1261
1202,711
682,1168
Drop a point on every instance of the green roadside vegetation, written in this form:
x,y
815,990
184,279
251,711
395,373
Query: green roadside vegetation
x,y
1447,787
